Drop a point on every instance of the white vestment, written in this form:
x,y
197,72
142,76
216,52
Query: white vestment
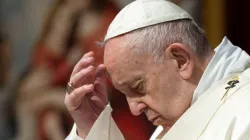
x,y
216,113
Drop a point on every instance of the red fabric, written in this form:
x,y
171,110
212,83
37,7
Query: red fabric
x,y
62,74
41,133
42,56
132,127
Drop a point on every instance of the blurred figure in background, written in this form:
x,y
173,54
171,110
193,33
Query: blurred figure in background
x,y
71,30
4,94
4,61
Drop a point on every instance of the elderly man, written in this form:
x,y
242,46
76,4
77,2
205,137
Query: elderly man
x,y
160,59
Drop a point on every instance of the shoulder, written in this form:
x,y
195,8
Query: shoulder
x,y
240,98
239,101
232,119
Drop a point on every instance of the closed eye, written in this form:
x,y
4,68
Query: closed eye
x,y
138,86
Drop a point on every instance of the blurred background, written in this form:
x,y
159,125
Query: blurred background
x,y
41,41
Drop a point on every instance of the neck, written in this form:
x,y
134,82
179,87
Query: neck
x,y
201,65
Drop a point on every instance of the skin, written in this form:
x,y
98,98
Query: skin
x,y
163,91
86,102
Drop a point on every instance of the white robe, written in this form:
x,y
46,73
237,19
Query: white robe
x,y
209,117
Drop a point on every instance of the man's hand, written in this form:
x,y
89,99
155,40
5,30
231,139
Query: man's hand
x,y
86,102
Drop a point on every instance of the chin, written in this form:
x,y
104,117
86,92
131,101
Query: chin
x,y
163,122
166,127
160,121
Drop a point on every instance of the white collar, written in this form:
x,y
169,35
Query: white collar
x,y
227,59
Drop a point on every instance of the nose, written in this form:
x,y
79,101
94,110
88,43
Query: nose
x,y
135,106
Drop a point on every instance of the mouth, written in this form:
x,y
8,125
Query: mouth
x,y
159,120
153,119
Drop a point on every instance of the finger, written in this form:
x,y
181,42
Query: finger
x,y
100,80
88,54
79,77
99,102
84,62
74,99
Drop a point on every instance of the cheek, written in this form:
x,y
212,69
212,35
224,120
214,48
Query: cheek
x,y
163,97
158,88
156,97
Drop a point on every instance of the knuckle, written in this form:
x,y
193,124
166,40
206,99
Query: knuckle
x,y
87,70
85,61
86,88
90,68
91,58
82,74
88,59
74,92
83,89
82,63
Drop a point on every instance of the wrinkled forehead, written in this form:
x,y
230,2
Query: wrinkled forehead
x,y
118,53
117,57
122,63
115,51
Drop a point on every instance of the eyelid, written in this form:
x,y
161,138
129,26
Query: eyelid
x,y
137,84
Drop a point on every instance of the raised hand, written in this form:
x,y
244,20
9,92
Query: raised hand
x,y
89,97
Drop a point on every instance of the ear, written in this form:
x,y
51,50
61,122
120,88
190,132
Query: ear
x,y
183,58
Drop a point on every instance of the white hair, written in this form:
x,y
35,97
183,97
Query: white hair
x,y
156,38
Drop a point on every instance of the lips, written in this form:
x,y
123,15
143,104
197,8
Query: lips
x,y
152,119
160,120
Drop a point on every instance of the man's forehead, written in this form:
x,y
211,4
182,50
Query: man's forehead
x,y
115,43
120,55
114,51
123,79
120,71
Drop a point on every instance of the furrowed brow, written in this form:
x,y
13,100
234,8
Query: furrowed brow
x,y
122,84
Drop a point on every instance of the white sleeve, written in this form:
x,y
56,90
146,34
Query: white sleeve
x,y
104,128
73,134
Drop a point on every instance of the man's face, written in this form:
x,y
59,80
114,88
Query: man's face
x,y
152,88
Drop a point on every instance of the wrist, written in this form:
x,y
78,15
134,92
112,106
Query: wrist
x,y
84,128
83,133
